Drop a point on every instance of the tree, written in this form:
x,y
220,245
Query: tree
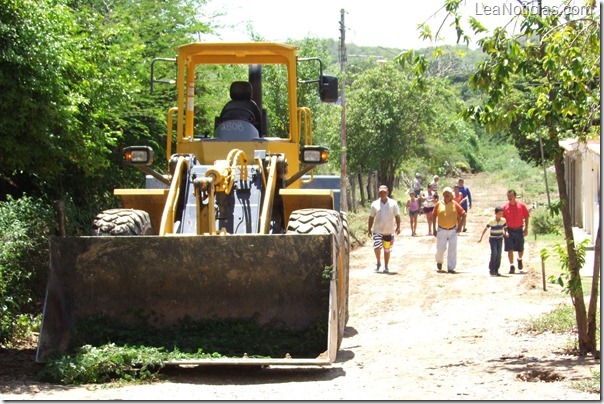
x,y
552,65
74,78
386,121
40,124
391,121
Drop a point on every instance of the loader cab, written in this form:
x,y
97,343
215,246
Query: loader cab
x,y
242,108
264,89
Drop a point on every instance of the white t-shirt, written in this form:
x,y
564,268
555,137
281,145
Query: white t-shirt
x,y
384,214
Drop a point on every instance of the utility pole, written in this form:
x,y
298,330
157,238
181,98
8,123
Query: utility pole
x,y
343,193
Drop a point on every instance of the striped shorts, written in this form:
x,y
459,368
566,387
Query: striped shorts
x,y
385,241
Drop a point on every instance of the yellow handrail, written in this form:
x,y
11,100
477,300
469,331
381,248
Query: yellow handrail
x,y
167,219
305,122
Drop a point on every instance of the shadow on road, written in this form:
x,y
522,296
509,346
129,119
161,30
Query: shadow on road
x,y
231,375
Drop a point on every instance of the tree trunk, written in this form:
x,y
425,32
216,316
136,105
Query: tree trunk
x,y
576,290
352,203
385,174
360,175
593,300
372,186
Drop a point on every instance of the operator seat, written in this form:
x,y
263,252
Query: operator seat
x,y
241,106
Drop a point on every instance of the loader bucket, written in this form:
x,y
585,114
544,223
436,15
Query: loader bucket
x,y
215,293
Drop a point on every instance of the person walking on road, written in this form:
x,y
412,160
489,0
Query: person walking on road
x,y
427,201
467,203
383,214
458,197
417,184
413,212
517,216
498,228
434,184
450,217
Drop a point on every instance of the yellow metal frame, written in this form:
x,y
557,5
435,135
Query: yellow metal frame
x,y
169,139
195,54
305,120
167,219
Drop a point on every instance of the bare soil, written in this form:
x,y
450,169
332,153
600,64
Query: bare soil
x,y
412,335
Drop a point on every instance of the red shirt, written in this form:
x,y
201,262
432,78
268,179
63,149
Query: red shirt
x,y
515,214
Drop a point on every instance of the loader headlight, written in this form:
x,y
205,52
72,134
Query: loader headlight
x,y
314,155
138,155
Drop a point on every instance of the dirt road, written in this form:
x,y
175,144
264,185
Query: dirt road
x,y
412,335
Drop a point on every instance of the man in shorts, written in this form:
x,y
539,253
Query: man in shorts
x,y
383,214
517,218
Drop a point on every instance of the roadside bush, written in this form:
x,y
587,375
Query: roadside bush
x,y
25,225
543,222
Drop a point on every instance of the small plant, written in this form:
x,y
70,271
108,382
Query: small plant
x,y
25,325
327,274
564,279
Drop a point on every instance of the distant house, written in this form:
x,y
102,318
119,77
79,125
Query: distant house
x,y
582,163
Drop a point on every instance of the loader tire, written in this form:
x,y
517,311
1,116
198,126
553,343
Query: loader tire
x,y
122,222
314,221
325,221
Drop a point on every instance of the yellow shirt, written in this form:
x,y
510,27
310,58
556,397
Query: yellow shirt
x,y
447,213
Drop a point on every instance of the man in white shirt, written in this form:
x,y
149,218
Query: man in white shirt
x,y
383,214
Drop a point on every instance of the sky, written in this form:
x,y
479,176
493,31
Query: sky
x,y
386,23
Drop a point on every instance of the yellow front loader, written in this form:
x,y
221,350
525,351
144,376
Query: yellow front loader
x,y
238,251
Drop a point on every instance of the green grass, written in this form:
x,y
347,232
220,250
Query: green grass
x,y
560,320
591,385
357,222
